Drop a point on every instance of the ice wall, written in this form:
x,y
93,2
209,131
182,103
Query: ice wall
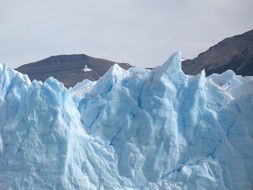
x,y
135,129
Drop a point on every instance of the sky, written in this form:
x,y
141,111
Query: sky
x,y
143,33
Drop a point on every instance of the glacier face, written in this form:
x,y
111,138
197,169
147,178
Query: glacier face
x,y
135,129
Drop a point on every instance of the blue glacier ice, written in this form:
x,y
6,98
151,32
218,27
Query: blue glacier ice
x,y
135,129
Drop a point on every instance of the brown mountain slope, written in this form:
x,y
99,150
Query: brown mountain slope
x,y
69,69
235,53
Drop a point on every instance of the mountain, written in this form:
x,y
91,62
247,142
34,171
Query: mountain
x,y
235,53
69,69
132,129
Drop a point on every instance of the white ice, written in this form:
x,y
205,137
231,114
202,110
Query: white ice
x,y
134,129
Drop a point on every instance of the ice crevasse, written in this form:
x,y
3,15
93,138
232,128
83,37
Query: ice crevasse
x,y
135,129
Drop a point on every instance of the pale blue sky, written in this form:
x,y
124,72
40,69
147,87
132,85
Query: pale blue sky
x,y
141,32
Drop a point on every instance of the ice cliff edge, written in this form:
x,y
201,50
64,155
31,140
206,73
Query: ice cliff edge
x,y
134,129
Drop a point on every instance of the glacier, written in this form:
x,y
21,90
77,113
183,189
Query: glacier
x,y
135,129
